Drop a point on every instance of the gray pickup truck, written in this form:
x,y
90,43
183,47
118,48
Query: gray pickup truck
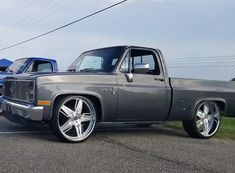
x,y
117,84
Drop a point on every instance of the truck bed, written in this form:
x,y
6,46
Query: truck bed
x,y
187,92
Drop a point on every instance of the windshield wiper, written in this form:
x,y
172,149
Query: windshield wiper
x,y
86,69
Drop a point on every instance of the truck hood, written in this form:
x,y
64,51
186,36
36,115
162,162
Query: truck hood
x,y
59,74
56,75
84,78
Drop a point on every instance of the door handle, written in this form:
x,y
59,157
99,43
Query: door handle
x,y
159,79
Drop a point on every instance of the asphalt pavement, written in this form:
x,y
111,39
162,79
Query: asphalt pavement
x,y
112,148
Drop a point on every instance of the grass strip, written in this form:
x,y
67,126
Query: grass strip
x,y
226,131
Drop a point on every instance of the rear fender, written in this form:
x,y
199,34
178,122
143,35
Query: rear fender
x,y
220,101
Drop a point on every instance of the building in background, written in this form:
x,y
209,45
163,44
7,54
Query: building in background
x,y
4,64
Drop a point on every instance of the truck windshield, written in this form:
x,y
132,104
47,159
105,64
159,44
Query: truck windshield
x,y
101,60
17,66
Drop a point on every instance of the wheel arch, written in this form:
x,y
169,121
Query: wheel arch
x,y
94,97
219,101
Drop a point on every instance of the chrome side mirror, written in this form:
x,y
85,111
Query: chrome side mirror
x,y
129,77
141,68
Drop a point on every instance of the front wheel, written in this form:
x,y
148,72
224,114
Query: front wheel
x,y
73,119
206,121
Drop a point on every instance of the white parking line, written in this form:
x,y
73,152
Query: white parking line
x,y
25,132
48,132
99,129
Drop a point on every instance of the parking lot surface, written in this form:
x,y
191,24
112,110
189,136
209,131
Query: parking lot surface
x,y
112,148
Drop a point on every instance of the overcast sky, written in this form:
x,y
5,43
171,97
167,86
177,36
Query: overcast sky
x,y
180,28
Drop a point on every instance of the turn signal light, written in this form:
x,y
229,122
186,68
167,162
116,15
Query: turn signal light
x,y
44,103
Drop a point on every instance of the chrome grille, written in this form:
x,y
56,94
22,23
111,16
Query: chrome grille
x,y
20,90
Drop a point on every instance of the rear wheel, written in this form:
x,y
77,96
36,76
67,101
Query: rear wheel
x,y
74,118
206,121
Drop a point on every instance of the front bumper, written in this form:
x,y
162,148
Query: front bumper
x,y
29,112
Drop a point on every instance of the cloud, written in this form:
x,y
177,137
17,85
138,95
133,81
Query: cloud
x,y
179,29
116,1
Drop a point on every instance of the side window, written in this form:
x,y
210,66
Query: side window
x,y
137,56
149,59
44,67
40,66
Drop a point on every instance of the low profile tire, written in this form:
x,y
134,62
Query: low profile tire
x,y
206,121
73,119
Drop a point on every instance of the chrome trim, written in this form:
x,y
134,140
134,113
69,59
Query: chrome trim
x,y
34,113
141,66
79,122
21,80
129,77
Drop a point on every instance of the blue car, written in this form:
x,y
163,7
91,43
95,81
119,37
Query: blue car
x,y
28,65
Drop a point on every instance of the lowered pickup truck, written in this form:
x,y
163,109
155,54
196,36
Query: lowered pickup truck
x,y
117,84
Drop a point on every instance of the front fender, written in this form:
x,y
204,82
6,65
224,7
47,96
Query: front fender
x,y
66,93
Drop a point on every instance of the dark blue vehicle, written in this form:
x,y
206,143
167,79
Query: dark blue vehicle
x,y
29,65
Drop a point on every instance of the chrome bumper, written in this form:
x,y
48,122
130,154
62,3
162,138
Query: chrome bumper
x,y
30,112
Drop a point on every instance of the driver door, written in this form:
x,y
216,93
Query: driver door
x,y
143,98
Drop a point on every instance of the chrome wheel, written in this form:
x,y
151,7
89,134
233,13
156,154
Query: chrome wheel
x,y
208,118
76,118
